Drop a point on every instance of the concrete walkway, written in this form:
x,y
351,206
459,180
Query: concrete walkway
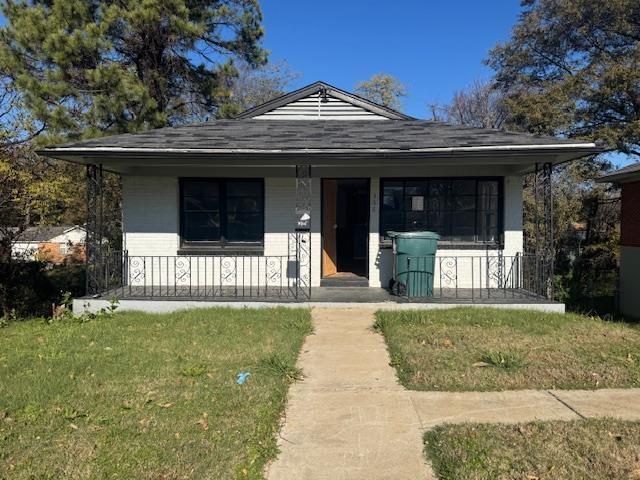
x,y
519,406
350,419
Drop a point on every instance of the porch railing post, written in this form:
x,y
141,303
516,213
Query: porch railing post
x,y
303,232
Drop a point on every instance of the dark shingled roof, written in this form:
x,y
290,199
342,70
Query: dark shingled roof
x,y
315,134
630,172
43,234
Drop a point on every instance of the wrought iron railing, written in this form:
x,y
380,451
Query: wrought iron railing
x,y
202,276
518,277
210,276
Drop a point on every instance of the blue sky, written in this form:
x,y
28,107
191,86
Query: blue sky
x,y
434,47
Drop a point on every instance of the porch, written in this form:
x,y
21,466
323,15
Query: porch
x,y
320,297
477,279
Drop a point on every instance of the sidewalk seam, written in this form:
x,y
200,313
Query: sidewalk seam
x,y
566,404
415,409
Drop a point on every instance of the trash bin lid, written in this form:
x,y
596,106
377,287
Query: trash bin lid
x,y
425,234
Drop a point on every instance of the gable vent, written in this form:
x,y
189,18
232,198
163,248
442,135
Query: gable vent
x,y
320,107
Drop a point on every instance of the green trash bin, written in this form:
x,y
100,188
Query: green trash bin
x,y
414,262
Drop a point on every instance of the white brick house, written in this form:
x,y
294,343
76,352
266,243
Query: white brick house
x,y
228,189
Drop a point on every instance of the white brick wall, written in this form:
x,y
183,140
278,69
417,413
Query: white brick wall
x,y
150,215
151,226
513,215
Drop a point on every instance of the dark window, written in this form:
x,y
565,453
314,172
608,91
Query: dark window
x,y
221,212
459,209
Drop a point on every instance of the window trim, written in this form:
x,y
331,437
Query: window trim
x,y
450,244
219,247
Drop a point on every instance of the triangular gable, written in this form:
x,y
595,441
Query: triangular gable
x,y
321,101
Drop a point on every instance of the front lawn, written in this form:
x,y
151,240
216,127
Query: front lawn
x,y
490,349
579,450
146,396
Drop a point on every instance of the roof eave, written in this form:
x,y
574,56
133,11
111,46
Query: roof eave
x,y
619,177
123,161
583,148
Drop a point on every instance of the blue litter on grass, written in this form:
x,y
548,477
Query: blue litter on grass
x,y
242,377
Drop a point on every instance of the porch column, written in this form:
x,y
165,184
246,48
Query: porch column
x,y
543,223
94,255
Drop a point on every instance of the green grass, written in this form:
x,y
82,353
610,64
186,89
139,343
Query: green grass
x,y
146,396
580,450
489,349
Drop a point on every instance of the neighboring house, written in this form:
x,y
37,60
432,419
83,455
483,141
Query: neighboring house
x,y
629,283
210,209
53,244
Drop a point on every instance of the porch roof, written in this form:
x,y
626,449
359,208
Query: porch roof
x,y
630,173
290,142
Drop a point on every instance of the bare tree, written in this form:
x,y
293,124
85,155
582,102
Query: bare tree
x,y
255,86
481,105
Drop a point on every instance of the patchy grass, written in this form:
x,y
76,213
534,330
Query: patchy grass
x,y
490,349
579,450
146,396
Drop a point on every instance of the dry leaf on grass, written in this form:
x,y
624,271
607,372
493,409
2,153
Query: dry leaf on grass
x,y
203,423
480,364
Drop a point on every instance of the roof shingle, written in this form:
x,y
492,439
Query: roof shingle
x,y
315,134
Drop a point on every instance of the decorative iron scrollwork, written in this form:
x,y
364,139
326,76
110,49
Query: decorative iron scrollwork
x,y
274,270
183,271
495,271
229,270
136,270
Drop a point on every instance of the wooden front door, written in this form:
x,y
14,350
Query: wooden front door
x,y
345,227
329,219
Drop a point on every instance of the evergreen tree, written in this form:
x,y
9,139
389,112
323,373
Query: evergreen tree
x,y
88,67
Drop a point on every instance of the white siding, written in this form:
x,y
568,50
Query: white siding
x,y
24,250
313,108
73,236
29,250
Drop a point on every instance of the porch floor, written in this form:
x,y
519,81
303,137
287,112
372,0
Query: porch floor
x,y
321,295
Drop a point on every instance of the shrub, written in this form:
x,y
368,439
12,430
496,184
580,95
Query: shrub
x,y
29,289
